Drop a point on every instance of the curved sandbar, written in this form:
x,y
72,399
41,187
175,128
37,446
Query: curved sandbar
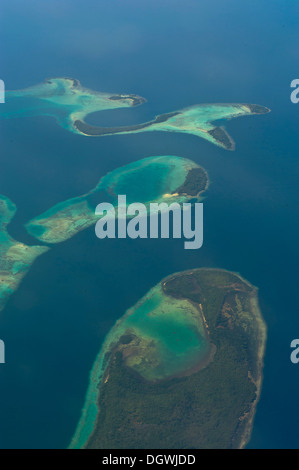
x,y
138,396
152,179
197,120
15,257
64,99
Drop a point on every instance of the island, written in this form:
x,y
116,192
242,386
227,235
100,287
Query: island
x,y
70,103
152,179
182,369
197,120
15,257
65,99
149,180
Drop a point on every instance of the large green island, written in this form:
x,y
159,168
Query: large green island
x,y
181,369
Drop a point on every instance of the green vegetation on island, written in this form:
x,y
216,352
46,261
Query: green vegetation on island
x,y
69,103
196,120
15,257
65,99
150,180
208,405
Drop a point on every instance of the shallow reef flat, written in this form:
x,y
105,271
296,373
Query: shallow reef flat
x,y
15,257
152,179
160,337
64,99
186,361
69,103
197,120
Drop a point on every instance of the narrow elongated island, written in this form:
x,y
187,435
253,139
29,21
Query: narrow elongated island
x,y
197,120
182,369
15,257
157,179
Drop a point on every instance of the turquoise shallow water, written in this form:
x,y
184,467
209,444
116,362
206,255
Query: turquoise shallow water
x,y
16,107
173,340
176,327
62,98
147,180
145,185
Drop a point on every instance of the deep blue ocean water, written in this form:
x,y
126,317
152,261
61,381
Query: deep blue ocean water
x,y
174,53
